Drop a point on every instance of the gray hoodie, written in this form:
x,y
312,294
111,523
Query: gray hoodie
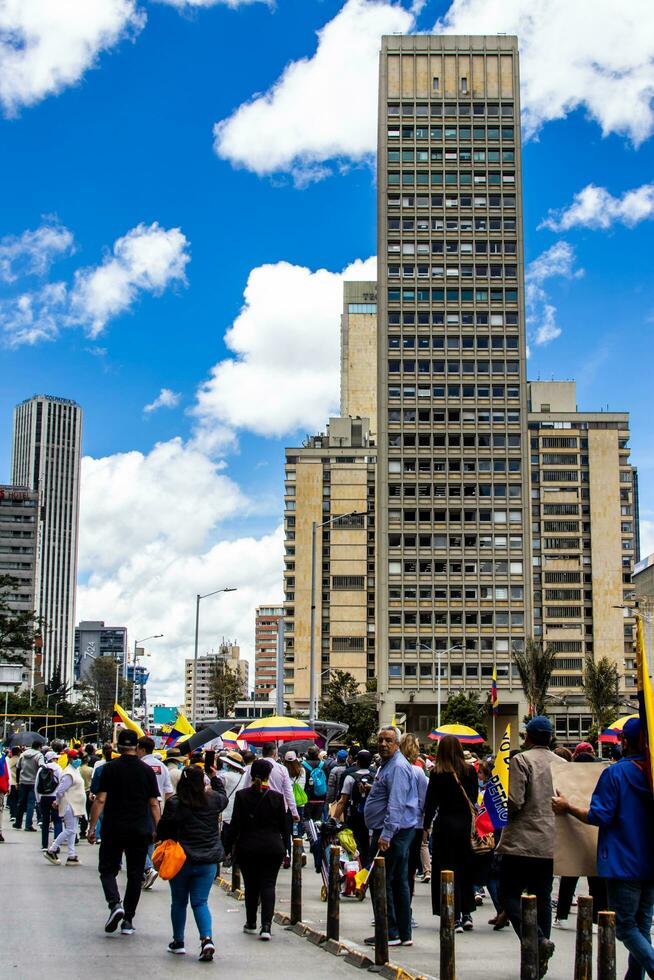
x,y
28,766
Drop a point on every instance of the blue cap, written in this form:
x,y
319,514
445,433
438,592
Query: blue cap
x,y
341,755
632,730
540,725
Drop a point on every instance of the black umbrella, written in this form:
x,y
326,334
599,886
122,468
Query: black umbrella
x,y
300,745
207,734
25,738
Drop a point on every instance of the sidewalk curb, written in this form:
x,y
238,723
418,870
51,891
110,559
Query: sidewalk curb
x,y
353,957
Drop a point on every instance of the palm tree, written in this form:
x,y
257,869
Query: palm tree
x,y
601,686
535,665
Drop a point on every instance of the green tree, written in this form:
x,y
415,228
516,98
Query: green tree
x,y
102,690
62,718
535,665
225,687
601,686
18,630
344,701
465,709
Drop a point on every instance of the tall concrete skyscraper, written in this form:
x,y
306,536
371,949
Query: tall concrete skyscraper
x,y
453,556
46,458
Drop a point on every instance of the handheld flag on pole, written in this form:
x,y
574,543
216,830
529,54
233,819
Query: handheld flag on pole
x,y
645,699
121,717
493,693
182,728
494,813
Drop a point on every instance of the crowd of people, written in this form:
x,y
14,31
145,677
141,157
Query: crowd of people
x,y
414,807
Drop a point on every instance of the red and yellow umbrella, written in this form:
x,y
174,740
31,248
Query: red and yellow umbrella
x,y
277,728
465,735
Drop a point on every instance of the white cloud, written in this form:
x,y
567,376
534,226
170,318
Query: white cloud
x,y
165,399
589,54
47,45
33,316
556,261
149,541
285,372
33,252
322,107
231,4
595,207
146,259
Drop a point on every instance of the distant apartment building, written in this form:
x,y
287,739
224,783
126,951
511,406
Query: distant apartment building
x,y
359,352
46,456
19,534
266,633
331,475
584,509
92,640
205,707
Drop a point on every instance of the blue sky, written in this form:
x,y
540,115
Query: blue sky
x,y
128,143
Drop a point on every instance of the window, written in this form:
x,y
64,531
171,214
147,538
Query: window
x,y
344,643
349,582
435,83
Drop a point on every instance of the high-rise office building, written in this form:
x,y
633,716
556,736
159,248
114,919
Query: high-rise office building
x,y
332,474
46,456
266,633
453,559
19,522
92,640
229,655
584,511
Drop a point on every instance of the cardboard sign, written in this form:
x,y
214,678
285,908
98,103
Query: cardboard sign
x,y
575,843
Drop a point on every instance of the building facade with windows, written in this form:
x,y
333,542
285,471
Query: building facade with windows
x,y
359,352
453,580
19,536
332,474
46,453
266,634
205,707
584,511
92,640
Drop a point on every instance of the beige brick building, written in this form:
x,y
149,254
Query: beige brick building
x,y
205,709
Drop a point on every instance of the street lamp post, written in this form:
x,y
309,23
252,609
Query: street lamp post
x,y
312,639
198,598
439,653
153,636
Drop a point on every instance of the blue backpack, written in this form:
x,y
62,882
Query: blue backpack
x,y
316,779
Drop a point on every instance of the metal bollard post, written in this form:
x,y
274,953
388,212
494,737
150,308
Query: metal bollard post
x,y
606,946
584,946
448,967
529,939
236,876
378,894
296,881
334,894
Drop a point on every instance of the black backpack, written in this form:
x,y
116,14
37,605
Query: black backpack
x,y
46,781
357,799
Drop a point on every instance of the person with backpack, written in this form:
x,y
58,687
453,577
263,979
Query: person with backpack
x,y
315,786
28,766
45,787
336,776
352,800
70,799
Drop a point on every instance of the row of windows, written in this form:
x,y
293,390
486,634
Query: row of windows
x,y
473,617
428,516
442,490
426,566
456,671
425,295
479,366
397,540
408,392
467,271
437,155
453,246
452,224
467,644
454,465
439,341
412,593
450,178
481,318
450,109
469,440
451,200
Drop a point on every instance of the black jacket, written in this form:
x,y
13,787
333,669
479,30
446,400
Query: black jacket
x,y
258,823
196,830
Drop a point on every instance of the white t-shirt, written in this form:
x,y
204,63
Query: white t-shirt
x,y
162,775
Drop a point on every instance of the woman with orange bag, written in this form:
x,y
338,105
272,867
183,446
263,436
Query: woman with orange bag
x,y
191,818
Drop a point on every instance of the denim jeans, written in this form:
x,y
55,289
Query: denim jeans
x,y
26,804
633,902
398,893
192,882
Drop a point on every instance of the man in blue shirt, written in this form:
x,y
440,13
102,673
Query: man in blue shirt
x,y
622,807
391,812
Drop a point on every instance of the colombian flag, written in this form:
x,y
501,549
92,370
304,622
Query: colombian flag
x,y
181,729
645,699
494,699
121,717
495,799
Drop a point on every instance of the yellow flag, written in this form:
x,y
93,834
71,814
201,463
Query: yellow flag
x,y
122,717
645,697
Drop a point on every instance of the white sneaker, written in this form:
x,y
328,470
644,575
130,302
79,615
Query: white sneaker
x,y
560,923
149,878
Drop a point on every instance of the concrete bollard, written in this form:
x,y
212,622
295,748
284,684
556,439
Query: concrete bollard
x,y
296,881
447,956
584,945
334,894
529,939
236,876
606,969
378,895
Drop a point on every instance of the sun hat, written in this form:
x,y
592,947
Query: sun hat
x,y
290,756
233,759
